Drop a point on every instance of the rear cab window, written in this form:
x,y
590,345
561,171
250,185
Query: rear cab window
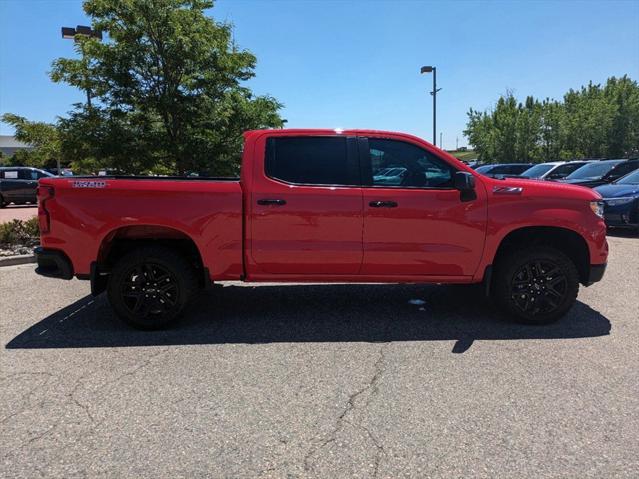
x,y
321,161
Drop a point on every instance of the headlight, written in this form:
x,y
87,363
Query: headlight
x,y
619,201
597,208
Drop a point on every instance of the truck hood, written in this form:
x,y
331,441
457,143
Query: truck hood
x,y
541,188
617,191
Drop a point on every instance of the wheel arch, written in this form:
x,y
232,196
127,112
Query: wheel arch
x,y
568,241
124,239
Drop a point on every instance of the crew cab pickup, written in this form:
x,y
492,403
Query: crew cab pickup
x,y
321,206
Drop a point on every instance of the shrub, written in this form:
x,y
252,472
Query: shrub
x,y
19,232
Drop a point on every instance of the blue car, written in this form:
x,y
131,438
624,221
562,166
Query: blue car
x,y
621,201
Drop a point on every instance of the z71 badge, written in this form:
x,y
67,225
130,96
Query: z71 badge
x,y
88,184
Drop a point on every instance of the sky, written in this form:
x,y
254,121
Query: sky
x,y
355,64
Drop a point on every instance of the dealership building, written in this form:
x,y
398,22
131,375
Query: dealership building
x,y
9,145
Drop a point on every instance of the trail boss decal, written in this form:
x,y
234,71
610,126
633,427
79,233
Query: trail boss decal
x,y
88,184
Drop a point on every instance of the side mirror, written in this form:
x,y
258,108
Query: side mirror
x,y
464,181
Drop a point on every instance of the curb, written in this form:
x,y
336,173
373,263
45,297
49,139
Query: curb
x,y
15,260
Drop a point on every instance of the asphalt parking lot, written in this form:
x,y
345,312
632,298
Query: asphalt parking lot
x,y
320,381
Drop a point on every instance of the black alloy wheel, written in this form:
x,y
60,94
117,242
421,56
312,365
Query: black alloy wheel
x,y
538,287
149,287
535,285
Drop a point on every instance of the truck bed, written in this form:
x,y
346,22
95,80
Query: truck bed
x,y
88,212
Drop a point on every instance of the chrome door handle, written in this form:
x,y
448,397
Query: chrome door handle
x,y
383,204
275,202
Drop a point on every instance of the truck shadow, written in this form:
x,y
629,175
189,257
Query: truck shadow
x,y
310,313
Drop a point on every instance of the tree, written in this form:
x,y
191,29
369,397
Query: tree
x,y
167,89
588,122
593,121
43,137
624,135
528,127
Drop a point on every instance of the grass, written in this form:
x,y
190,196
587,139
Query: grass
x,y
464,155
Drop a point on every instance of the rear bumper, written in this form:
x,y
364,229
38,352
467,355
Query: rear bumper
x,y
53,263
596,273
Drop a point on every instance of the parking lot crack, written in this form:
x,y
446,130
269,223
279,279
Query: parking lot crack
x,y
370,388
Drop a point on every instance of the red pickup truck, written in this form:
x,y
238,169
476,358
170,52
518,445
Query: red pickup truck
x,y
321,206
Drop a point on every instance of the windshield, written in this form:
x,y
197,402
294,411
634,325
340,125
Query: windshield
x,y
537,171
484,169
629,179
592,170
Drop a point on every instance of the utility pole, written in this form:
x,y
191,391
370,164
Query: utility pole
x,y
457,143
70,33
433,70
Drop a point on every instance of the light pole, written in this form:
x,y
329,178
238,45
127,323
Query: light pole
x,y
433,70
69,33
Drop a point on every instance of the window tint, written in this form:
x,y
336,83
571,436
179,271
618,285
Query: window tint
x,y
568,168
24,174
623,169
401,164
518,169
310,161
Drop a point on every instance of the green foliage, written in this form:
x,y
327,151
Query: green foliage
x,y
594,121
17,232
465,155
43,137
166,89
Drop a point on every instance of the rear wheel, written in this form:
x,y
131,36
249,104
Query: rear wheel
x,y
537,285
149,287
2,202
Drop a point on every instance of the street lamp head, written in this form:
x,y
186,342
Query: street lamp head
x,y
68,33
83,30
427,69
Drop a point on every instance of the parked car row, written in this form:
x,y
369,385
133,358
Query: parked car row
x,y
616,180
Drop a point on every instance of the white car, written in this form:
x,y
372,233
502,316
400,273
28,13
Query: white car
x,y
553,170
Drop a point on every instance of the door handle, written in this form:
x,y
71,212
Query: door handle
x,y
271,202
383,204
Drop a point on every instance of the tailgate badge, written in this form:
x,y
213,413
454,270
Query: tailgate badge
x,y
88,184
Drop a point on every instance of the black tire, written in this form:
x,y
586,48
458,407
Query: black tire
x,y
2,202
537,285
149,287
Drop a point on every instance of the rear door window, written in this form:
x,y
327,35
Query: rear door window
x,y
311,161
24,174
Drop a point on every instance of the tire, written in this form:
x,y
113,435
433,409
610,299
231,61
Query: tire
x,y
2,202
537,285
149,287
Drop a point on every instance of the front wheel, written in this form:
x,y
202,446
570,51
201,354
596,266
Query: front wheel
x,y
149,287
537,285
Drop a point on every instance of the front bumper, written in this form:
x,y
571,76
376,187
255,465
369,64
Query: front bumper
x,y
53,263
596,273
